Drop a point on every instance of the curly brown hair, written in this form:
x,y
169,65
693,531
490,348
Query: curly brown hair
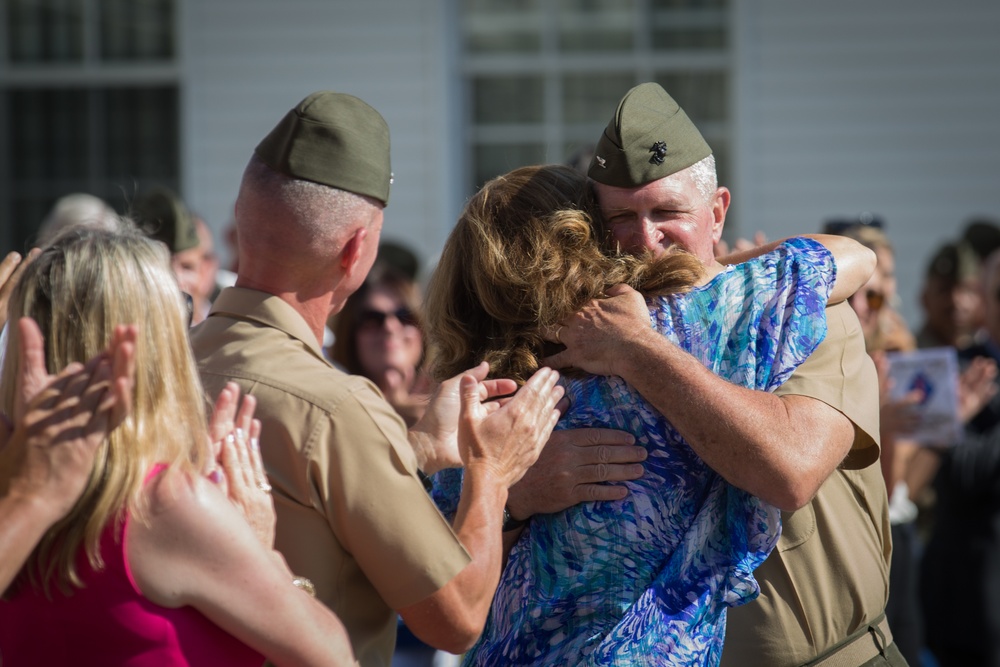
x,y
525,255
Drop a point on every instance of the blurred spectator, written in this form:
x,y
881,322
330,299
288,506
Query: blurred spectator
x,y
378,335
722,248
878,302
400,258
206,289
581,158
76,209
951,297
960,573
164,217
983,236
863,219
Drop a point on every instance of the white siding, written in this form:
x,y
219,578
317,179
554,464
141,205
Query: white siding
x,y
890,107
246,62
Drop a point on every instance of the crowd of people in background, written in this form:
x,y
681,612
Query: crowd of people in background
x,y
324,471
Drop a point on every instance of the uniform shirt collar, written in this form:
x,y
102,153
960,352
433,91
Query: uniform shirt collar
x,y
266,309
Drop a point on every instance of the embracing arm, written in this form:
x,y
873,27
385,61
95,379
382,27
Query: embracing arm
x,y
855,263
779,448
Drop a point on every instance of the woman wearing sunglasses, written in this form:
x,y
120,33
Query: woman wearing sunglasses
x,y
378,335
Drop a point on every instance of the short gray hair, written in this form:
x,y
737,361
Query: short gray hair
x,y
704,176
319,211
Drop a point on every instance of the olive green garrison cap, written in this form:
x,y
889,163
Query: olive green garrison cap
x,y
162,215
332,139
649,138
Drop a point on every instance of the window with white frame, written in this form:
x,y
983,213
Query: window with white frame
x,y
543,77
88,103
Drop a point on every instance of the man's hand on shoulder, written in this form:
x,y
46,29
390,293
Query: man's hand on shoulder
x,y
596,336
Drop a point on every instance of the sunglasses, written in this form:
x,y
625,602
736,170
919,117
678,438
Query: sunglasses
x,y
875,299
375,319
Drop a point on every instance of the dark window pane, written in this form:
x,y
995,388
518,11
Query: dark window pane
x,y
494,159
44,30
141,132
111,142
592,98
47,132
507,99
27,214
137,29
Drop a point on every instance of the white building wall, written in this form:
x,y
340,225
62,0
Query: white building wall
x,y
891,107
245,63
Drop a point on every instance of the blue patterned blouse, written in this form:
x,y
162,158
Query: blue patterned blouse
x,y
647,580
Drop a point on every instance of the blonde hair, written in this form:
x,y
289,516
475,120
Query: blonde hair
x,y
81,286
524,256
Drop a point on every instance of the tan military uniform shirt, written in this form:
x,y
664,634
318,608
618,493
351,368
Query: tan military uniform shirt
x,y
829,574
352,514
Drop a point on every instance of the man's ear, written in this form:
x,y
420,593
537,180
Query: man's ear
x,y
353,251
720,205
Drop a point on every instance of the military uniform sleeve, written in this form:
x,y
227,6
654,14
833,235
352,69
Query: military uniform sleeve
x,y
841,374
378,507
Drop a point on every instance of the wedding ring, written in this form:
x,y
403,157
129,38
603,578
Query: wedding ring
x,y
264,486
558,334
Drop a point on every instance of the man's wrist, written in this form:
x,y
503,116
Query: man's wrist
x,y
417,443
636,348
426,452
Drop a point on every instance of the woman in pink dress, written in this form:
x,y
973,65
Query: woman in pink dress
x,y
156,563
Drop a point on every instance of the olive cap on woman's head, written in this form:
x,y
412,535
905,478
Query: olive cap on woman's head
x,y
649,138
333,139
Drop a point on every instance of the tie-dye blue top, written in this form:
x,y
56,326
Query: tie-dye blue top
x,y
647,580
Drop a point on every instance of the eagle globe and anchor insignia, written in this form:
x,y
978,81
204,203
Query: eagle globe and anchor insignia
x,y
659,151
